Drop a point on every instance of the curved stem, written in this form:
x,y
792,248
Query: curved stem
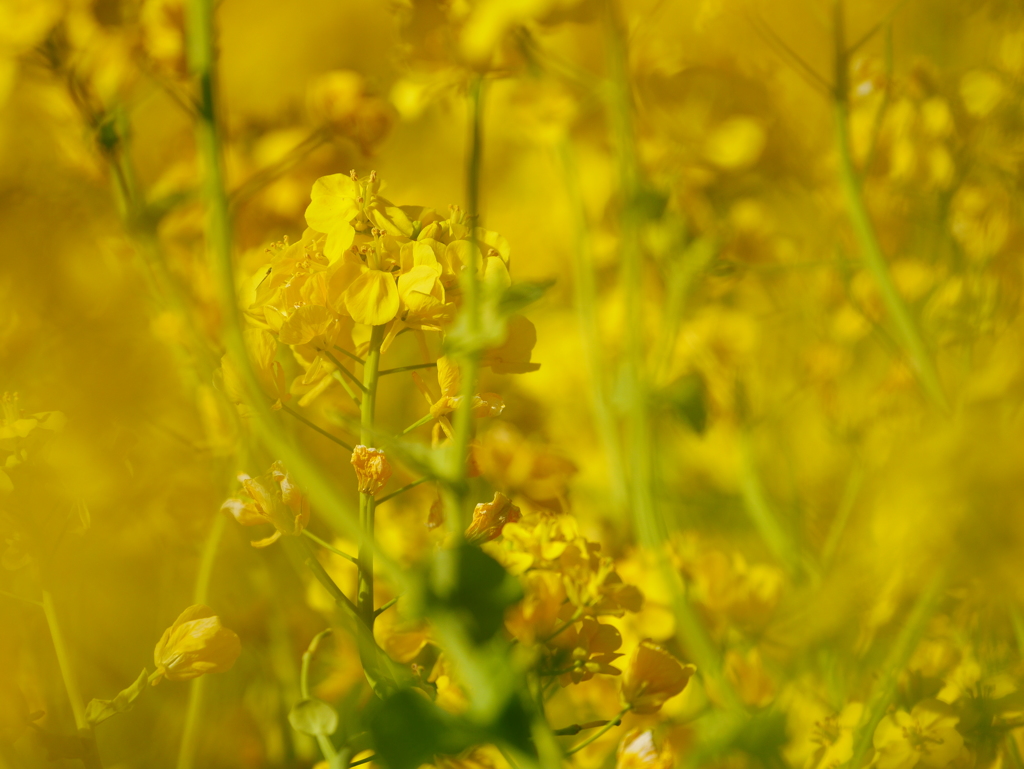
x,y
329,548
405,488
326,746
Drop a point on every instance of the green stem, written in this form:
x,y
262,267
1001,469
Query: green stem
x,y
760,510
457,490
835,533
871,250
574,729
386,606
895,661
405,488
328,547
418,423
193,711
406,368
344,371
326,746
586,310
649,525
321,489
600,732
352,355
67,670
367,504
316,428
321,575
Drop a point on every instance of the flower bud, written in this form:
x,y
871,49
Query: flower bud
x,y
489,518
195,644
653,677
372,469
274,499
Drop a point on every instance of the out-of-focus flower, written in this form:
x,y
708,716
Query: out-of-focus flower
x,y
653,676
926,736
638,751
339,101
524,469
834,737
489,519
273,499
372,468
194,645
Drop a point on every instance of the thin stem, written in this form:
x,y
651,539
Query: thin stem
x,y
386,606
760,510
590,335
315,427
329,548
321,575
366,760
352,355
406,368
367,504
405,488
895,661
569,731
600,732
355,380
190,731
835,533
91,756
20,598
649,525
326,746
67,670
568,624
457,490
418,423
871,250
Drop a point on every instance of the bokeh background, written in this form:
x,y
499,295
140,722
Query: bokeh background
x,y
778,386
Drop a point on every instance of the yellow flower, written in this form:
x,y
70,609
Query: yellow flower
x,y
372,298
653,676
925,736
338,208
372,469
586,649
195,644
274,499
489,518
638,751
834,736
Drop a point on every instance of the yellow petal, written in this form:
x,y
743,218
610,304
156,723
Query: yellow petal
x,y
372,299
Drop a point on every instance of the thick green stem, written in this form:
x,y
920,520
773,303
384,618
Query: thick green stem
x,y
367,504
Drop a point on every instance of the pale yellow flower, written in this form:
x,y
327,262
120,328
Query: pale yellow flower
x,y
195,644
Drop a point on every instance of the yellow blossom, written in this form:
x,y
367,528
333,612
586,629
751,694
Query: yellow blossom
x,y
489,518
638,751
926,736
653,676
195,644
273,498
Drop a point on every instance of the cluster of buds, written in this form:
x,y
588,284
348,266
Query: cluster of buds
x,y
372,469
273,499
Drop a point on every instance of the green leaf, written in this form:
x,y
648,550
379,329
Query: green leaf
x,y
472,588
518,296
687,397
408,731
313,717
98,711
